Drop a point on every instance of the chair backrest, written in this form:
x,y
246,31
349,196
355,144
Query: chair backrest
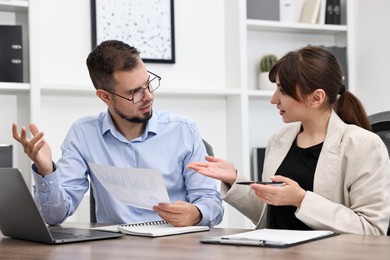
x,y
6,155
209,148
92,210
380,123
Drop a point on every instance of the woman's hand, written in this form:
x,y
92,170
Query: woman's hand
x,y
215,168
289,194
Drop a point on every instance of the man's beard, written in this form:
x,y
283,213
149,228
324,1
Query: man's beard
x,y
136,119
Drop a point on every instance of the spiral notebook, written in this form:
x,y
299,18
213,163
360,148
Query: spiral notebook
x,y
157,229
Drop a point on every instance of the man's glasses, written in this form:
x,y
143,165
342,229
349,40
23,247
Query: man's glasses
x,y
138,94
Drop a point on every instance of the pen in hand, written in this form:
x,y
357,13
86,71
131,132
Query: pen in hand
x,y
273,183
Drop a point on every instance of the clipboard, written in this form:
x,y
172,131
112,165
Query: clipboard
x,y
277,238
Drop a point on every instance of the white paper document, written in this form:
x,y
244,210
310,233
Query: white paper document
x,y
142,188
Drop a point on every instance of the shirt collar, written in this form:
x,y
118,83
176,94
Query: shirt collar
x,y
151,126
107,124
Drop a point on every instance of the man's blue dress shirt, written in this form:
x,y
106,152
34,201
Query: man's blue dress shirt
x,y
168,144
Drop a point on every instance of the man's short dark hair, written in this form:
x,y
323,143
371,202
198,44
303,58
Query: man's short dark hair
x,y
108,57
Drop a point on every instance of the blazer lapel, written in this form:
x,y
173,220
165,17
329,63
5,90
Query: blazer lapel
x,y
279,147
327,166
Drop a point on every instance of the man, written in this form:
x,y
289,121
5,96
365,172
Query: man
x,y
130,134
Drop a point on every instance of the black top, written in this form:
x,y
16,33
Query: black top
x,y
299,165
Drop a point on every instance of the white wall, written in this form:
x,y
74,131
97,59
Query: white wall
x,y
371,38
65,40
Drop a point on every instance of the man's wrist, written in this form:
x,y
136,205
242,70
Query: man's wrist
x,y
43,173
199,217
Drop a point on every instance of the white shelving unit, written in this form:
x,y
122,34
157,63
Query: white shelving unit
x,y
18,94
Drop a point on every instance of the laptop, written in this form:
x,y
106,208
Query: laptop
x,y
21,219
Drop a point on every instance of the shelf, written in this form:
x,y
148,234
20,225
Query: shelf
x,y
89,90
276,26
199,92
261,93
14,5
11,87
64,90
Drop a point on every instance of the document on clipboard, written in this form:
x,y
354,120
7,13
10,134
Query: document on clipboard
x,y
281,238
142,188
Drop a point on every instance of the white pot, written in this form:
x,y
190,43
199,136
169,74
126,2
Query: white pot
x,y
265,83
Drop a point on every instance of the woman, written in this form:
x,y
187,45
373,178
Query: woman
x,y
336,171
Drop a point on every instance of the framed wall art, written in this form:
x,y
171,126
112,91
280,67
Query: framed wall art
x,y
147,25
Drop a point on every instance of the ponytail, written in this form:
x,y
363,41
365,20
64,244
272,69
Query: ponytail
x,y
349,108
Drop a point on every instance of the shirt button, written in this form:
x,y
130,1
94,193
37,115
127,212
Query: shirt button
x,y
50,182
43,184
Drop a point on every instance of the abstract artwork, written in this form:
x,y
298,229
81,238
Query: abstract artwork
x,y
147,25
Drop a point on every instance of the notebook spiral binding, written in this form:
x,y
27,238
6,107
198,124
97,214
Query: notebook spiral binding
x,y
149,223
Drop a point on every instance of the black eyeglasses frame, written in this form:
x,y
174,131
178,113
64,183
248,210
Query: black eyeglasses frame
x,y
141,89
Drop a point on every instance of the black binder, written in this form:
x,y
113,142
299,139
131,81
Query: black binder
x,y
11,53
341,56
329,12
336,12
333,12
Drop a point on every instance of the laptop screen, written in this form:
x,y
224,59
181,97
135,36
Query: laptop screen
x,y
20,217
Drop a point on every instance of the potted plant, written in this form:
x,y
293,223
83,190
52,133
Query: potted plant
x,y
266,62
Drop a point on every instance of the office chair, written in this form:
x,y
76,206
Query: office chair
x,y
380,123
6,155
209,148
92,215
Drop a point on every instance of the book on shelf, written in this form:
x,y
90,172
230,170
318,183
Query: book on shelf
x,y
322,14
157,228
290,10
279,238
11,53
310,11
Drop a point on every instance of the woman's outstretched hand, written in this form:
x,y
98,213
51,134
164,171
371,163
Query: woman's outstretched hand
x,y
215,168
